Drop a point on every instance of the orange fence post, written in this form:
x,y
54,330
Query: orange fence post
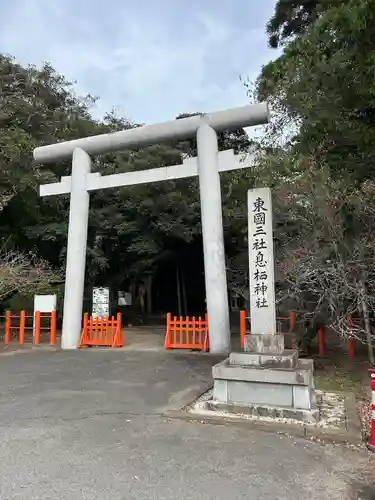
x,y
174,341
242,327
52,338
84,335
22,326
292,321
351,347
199,326
180,323
321,341
37,328
194,330
206,345
8,320
119,323
189,324
107,333
117,339
167,341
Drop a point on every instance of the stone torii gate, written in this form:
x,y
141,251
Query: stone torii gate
x,y
207,166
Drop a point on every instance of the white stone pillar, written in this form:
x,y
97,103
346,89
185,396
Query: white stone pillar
x,y
76,250
213,240
263,336
261,262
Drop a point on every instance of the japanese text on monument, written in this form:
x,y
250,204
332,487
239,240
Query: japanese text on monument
x,y
259,245
261,263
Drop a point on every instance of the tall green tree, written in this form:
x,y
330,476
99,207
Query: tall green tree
x,y
320,147
322,88
292,18
132,230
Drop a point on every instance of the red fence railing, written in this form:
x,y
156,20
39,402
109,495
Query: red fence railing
x,y
187,333
290,322
24,328
105,331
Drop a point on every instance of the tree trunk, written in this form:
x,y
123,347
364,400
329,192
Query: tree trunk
x,y
184,298
367,322
178,292
148,294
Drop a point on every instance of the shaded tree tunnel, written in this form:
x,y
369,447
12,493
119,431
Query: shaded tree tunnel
x,y
178,283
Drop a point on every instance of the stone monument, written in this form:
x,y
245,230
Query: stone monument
x,y
265,379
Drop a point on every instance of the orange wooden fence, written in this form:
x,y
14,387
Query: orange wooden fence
x,y
352,322
187,333
291,323
322,348
101,331
17,327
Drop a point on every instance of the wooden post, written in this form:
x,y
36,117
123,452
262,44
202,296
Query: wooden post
x,y
22,327
242,327
37,328
351,347
167,341
85,332
206,346
53,328
8,320
119,329
322,341
292,321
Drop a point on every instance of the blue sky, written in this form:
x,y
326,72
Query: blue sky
x,y
152,59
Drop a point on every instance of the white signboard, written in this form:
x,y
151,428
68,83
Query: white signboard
x,y
261,263
44,303
124,298
100,302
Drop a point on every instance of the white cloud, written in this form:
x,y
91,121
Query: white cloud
x,y
152,59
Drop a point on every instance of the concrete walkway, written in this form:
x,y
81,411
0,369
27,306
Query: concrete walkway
x,y
90,425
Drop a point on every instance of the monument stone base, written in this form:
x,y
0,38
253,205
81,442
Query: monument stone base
x,y
273,382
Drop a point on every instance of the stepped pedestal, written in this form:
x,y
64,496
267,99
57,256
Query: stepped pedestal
x,y
266,380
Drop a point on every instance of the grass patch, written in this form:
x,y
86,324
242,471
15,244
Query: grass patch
x,y
341,374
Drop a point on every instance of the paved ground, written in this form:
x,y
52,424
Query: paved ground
x,y
89,425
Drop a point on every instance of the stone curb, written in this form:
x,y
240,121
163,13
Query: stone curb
x,y
295,429
187,399
351,435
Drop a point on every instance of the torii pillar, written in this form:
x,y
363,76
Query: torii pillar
x,y
205,128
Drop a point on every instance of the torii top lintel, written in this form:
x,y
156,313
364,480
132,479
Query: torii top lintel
x,y
229,119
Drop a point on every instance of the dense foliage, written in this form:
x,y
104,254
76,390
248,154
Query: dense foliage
x,y
132,231
321,146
